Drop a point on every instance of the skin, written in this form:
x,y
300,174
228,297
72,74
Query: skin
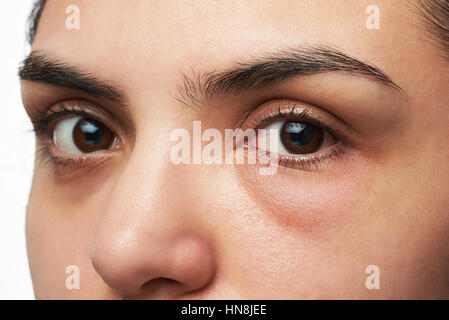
x,y
139,226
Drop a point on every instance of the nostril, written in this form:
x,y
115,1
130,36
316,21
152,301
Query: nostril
x,y
162,288
161,281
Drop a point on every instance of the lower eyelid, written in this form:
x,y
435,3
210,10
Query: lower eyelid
x,y
58,157
307,162
69,167
312,161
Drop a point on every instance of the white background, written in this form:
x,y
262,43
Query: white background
x,y
16,155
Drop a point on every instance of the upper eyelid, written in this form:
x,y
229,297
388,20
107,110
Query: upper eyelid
x,y
301,114
311,109
42,120
279,114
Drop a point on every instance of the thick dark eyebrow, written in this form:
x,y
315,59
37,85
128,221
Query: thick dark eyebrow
x,y
273,68
41,67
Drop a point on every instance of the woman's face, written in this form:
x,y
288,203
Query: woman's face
x,y
362,181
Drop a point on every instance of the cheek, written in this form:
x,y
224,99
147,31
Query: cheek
x,y
48,249
313,202
60,226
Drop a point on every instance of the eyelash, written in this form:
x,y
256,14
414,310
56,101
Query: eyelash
x,y
301,114
43,120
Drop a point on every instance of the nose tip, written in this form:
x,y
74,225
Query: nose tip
x,y
144,270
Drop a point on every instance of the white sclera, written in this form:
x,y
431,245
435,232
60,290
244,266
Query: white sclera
x,y
63,135
276,126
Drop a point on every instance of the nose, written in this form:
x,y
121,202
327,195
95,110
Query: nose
x,y
150,242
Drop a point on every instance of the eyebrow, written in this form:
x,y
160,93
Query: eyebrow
x,y
273,68
255,74
40,67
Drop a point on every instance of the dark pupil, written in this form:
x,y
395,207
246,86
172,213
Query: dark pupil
x,y
300,134
301,138
90,135
93,134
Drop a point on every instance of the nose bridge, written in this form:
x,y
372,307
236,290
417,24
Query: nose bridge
x,y
147,230
137,193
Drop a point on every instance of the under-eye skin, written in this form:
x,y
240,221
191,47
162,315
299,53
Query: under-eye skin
x,y
307,138
72,135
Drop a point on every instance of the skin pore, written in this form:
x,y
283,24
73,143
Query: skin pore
x,y
139,226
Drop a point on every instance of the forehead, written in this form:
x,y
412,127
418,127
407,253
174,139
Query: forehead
x,y
204,27
141,40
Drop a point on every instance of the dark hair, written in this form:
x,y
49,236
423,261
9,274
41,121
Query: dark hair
x,y
33,19
436,15
434,12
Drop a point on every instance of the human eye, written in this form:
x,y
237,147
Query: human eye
x,y
298,137
306,137
73,134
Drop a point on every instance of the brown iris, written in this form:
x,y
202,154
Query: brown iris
x,y
301,138
90,135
